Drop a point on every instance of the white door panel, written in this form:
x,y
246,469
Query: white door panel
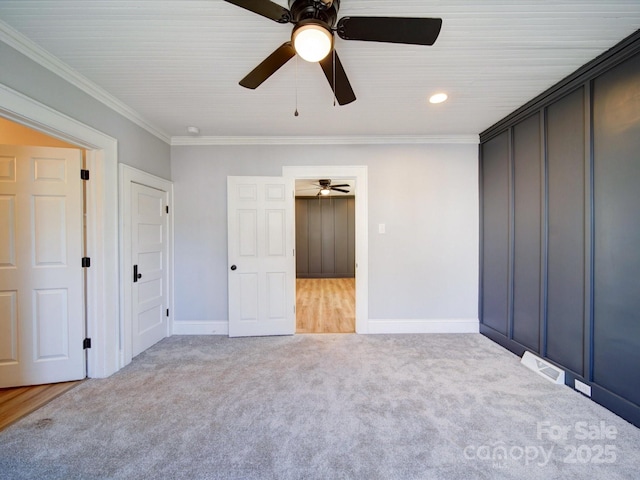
x,y
41,279
261,261
149,250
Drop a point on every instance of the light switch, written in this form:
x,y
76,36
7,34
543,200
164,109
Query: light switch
x,y
382,228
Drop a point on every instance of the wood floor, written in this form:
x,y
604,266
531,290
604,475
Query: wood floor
x,y
18,402
325,305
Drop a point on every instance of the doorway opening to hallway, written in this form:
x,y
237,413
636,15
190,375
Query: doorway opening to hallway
x,y
325,256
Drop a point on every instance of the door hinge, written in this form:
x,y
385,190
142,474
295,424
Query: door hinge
x,y
167,312
86,343
86,262
167,208
84,174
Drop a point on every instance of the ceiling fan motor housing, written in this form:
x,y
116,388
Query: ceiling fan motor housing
x,y
326,12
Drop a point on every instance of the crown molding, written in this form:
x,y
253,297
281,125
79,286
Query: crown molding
x,y
35,52
329,140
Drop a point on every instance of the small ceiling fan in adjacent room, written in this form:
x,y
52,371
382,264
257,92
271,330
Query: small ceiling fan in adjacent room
x,y
324,187
315,22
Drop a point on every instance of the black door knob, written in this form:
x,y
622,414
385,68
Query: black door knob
x,y
233,267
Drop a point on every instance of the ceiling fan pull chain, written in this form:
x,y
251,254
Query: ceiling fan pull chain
x,y
296,112
334,76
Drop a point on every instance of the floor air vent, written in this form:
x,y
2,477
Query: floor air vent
x,y
548,371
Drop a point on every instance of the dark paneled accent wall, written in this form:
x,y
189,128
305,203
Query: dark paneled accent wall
x,y
560,253
527,198
616,153
566,230
495,232
325,237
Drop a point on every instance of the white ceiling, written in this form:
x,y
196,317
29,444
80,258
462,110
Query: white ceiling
x,y
177,63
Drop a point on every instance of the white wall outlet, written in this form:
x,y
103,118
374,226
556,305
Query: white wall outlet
x,y
382,228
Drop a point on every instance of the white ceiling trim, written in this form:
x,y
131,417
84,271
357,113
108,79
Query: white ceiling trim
x,y
329,140
22,44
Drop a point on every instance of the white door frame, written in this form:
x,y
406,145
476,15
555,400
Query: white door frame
x,y
103,322
127,176
360,175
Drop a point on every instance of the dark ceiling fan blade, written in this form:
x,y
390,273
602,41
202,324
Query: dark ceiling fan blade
x,y
414,31
269,66
343,185
339,190
342,88
265,8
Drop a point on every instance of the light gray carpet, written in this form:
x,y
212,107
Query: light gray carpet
x,y
321,407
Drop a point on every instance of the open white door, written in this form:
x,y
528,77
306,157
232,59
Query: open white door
x,y
149,257
42,321
261,256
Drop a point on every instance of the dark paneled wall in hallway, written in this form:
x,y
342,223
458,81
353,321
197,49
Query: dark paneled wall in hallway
x,y
560,228
325,237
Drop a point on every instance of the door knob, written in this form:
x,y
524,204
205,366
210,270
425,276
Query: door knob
x,y
233,267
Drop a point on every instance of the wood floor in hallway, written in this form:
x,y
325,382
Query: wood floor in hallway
x,y
18,402
325,305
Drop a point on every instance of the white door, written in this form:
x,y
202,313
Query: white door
x,y
261,256
149,226
42,320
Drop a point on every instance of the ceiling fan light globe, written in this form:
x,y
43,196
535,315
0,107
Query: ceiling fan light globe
x,y
325,191
312,42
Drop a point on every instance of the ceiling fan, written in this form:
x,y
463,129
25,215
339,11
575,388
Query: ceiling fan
x,y
312,37
324,187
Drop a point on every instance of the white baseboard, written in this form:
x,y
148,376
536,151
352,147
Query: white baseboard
x,y
221,327
200,327
463,325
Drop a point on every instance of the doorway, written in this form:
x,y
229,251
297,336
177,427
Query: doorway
x,y
359,176
42,246
146,204
103,321
325,256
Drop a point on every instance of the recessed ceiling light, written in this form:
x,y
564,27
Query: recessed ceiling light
x,y
191,130
438,98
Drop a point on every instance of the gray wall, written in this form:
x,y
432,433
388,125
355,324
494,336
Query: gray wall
x,y
424,267
136,146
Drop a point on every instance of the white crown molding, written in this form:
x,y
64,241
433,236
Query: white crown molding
x,y
27,47
329,140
